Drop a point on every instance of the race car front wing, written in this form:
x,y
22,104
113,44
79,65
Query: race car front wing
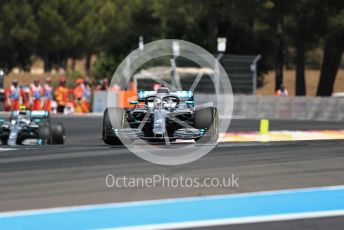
x,y
184,133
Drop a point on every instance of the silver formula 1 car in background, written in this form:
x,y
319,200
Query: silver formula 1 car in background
x,y
30,128
161,116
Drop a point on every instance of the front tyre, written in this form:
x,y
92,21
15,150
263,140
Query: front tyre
x,y
208,119
116,116
44,133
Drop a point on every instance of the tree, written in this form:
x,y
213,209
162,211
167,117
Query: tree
x,y
18,31
68,29
333,48
278,15
123,23
54,34
303,25
272,39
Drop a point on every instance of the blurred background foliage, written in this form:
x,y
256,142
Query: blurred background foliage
x,y
293,34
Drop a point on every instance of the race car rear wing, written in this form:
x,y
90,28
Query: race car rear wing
x,y
143,94
35,113
181,94
40,114
16,113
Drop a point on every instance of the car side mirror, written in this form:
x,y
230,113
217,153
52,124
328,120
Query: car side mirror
x,y
189,102
134,102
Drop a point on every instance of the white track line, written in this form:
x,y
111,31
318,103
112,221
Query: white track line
x,y
232,221
7,149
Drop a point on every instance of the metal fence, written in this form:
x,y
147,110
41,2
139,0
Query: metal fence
x,y
241,69
242,72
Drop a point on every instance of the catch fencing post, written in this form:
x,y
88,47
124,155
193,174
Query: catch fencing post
x,y
254,70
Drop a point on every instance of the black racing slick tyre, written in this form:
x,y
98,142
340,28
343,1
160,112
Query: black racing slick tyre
x,y
57,134
116,116
44,133
208,119
3,138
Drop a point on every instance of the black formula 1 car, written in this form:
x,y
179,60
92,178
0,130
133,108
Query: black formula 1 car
x,y
30,128
161,116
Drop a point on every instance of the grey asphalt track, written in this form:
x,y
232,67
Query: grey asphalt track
x,y
332,223
74,174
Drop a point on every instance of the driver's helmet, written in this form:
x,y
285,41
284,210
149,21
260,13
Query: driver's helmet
x,y
158,103
24,120
163,89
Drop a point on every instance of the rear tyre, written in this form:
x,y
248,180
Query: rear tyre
x,y
44,133
116,116
208,119
58,134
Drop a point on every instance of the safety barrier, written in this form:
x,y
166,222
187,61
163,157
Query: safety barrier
x,y
99,101
292,108
270,107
